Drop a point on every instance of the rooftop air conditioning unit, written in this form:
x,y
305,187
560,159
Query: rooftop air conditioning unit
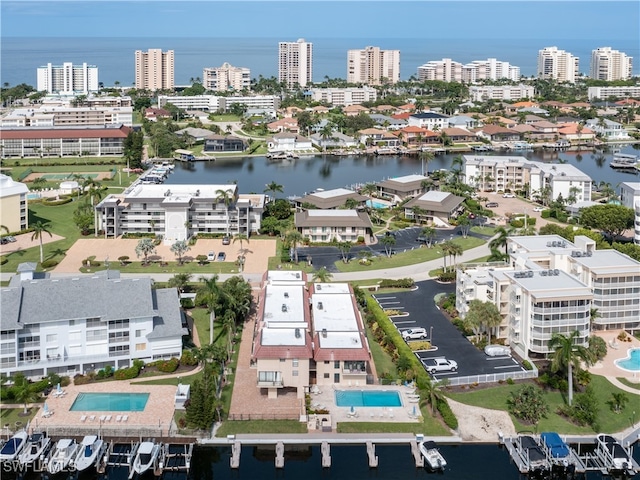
x,y
298,335
530,273
320,305
286,294
318,287
556,271
284,307
544,273
324,333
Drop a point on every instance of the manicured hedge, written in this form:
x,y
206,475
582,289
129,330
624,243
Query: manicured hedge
x,y
447,414
49,263
168,366
54,202
399,283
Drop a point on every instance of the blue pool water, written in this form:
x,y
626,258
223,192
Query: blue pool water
x,y
110,402
632,362
367,398
375,204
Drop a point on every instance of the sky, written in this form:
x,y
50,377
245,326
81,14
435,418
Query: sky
x,y
292,19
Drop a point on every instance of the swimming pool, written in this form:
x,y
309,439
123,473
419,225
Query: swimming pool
x,y
368,398
632,362
376,204
110,402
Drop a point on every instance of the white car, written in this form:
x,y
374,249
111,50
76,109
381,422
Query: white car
x,y
434,365
538,209
211,256
497,350
509,195
414,334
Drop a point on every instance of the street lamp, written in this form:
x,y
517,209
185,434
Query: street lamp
x,y
431,335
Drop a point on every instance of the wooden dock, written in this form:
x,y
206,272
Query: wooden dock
x,y
325,448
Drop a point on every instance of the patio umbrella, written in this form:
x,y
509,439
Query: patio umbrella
x,y
58,388
45,408
414,411
353,410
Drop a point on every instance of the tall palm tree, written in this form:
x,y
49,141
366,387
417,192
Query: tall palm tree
x,y
430,234
447,249
431,393
225,197
567,355
293,238
211,293
179,281
322,275
273,187
425,159
39,229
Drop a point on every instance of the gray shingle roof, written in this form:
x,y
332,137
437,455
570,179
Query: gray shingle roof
x,y
168,323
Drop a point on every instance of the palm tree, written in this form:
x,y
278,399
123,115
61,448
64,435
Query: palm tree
x,y
425,158
418,214
500,240
369,189
447,249
430,234
39,229
350,203
455,250
225,197
322,275
179,281
566,355
293,238
211,292
22,392
241,238
431,393
273,187
388,241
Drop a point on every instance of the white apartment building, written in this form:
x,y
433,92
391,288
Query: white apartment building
x,y
344,96
373,66
554,64
66,116
13,204
225,78
428,120
630,198
213,103
78,324
445,70
154,69
295,63
489,69
179,211
67,79
550,286
481,93
502,173
610,65
620,92
309,336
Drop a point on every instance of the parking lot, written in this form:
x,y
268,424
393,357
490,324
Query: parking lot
x,y
420,310
406,239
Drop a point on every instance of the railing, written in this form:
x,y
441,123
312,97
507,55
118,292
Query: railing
x,y
492,377
264,416
271,383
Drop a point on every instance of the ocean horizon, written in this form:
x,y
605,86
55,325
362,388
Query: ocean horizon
x,y
20,57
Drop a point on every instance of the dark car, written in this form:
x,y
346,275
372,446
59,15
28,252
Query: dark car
x,y
491,204
222,256
226,240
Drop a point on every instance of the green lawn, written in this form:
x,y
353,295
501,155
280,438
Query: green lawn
x,y
430,426
635,386
225,117
381,359
9,416
495,398
489,231
409,257
260,426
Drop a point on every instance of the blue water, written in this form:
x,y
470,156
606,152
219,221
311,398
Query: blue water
x,y
367,398
110,402
114,57
378,205
632,362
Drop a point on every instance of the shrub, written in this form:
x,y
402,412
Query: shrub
x,y
597,347
419,345
545,213
528,404
168,366
448,276
447,414
517,223
81,380
91,262
527,365
49,263
53,202
188,359
360,239
399,283
186,303
130,372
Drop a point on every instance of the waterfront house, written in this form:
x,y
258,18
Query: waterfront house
x,y
389,123
290,143
286,124
84,323
496,133
417,136
354,110
430,120
459,135
462,121
400,188
330,199
197,134
378,138
435,206
607,129
223,143
324,226
336,140
572,133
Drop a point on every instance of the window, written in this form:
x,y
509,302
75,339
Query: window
x,y
336,364
96,335
52,338
336,378
139,333
326,375
141,346
294,373
282,360
295,362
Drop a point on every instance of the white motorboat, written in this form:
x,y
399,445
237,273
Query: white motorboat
x,y
432,455
146,457
13,447
616,458
63,454
624,161
91,449
38,445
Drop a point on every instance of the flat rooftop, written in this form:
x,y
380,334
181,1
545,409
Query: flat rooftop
x,y
334,313
340,340
336,192
284,304
332,213
160,191
537,243
331,288
552,283
285,276
282,337
606,262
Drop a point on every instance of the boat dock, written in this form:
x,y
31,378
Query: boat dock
x,y
176,457
584,454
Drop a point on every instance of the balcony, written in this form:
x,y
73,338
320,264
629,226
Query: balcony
x,y
270,380
270,383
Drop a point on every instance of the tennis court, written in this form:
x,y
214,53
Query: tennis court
x,y
65,176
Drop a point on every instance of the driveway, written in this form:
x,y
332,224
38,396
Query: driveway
x,y
513,206
406,239
449,341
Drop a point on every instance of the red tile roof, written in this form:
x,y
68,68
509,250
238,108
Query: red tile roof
x,y
55,133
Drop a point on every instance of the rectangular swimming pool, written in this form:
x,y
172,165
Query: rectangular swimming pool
x,y
110,402
368,398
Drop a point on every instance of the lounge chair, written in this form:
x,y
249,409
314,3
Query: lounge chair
x,y
108,419
118,418
83,418
92,418
102,418
125,418
47,414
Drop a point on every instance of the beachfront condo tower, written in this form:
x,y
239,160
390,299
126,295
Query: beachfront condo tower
x,y
554,64
226,78
68,79
372,66
610,65
154,70
295,63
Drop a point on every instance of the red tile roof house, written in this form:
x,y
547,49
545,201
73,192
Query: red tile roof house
x,y
60,142
408,108
496,133
378,138
154,114
284,125
570,132
545,130
354,110
384,109
414,136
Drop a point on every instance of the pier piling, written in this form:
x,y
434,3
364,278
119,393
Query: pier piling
x,y
325,448
280,455
371,452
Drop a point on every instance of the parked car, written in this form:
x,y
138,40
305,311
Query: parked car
x,y
491,204
509,195
226,240
497,350
414,334
434,365
538,209
211,256
222,256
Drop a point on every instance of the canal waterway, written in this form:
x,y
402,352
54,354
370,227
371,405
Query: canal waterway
x,y
306,174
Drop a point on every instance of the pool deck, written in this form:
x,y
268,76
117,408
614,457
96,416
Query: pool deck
x,y
616,350
156,416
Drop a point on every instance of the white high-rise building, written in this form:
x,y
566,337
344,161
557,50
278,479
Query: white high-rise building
x,y
554,64
445,70
225,78
373,66
154,70
295,63
489,69
609,65
68,79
